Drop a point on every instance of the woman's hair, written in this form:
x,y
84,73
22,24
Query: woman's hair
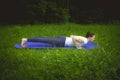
x,y
89,34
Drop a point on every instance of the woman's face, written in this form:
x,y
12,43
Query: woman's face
x,y
92,38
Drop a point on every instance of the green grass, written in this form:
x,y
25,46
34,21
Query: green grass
x,y
60,64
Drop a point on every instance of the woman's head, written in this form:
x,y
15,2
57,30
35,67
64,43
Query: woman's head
x,y
90,36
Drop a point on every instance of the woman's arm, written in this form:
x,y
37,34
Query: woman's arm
x,y
76,40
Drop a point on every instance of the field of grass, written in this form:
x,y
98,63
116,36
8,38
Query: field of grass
x,y
60,64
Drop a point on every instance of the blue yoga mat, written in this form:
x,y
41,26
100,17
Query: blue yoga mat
x,y
89,45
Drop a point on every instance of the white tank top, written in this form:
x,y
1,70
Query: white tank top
x,y
69,42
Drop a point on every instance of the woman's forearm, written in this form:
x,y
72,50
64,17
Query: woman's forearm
x,y
74,41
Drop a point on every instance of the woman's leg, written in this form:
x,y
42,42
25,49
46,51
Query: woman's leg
x,y
24,40
55,41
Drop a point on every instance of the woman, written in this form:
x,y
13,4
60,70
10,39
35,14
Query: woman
x,y
62,41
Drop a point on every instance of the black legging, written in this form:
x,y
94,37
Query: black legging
x,y
55,41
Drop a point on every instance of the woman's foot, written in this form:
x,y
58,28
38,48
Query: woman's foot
x,y
23,42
